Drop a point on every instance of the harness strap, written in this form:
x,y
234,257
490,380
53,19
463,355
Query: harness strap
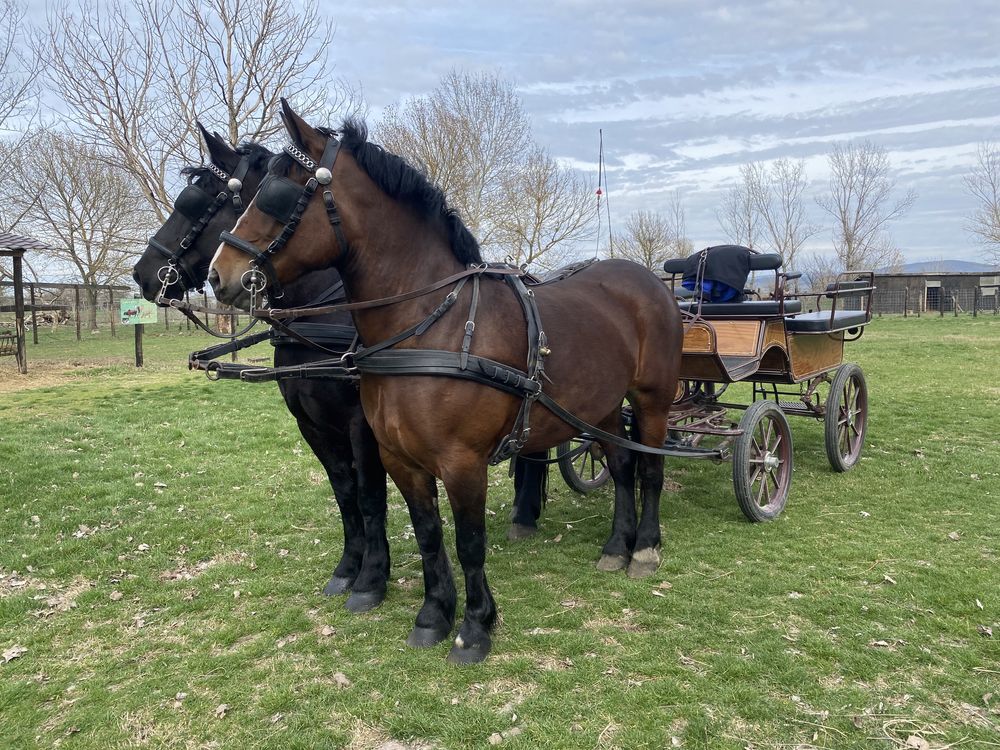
x,y
258,259
274,313
494,374
470,324
419,328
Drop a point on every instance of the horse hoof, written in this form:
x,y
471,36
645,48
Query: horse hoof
x,y
644,563
518,531
611,563
469,654
337,585
426,637
363,601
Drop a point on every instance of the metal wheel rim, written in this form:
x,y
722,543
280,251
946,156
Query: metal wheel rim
x,y
851,420
587,464
769,462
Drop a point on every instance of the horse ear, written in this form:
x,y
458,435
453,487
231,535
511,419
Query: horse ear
x,y
219,151
300,131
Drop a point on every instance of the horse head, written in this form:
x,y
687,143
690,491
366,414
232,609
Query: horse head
x,y
177,257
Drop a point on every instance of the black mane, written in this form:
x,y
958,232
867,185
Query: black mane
x,y
399,180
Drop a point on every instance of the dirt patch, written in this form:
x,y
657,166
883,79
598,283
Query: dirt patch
x,y
15,583
187,572
48,373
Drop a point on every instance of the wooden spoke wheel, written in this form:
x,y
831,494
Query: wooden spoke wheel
x,y
846,420
585,471
762,461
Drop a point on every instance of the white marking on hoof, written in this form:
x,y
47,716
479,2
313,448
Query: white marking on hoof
x,y
459,642
648,555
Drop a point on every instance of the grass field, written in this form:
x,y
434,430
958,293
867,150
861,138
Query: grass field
x,y
164,540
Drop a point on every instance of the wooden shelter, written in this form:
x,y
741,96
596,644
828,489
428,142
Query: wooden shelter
x,y
12,342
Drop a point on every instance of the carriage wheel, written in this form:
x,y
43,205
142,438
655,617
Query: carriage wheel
x,y
846,420
587,471
762,461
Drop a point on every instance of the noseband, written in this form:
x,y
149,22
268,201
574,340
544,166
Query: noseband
x,y
175,271
261,275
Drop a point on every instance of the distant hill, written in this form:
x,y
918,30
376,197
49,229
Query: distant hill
x,y
941,266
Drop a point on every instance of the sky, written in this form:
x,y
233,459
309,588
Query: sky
x,y
686,92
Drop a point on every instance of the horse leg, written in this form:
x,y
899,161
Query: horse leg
x,y
343,479
529,494
368,590
617,551
646,554
466,486
419,488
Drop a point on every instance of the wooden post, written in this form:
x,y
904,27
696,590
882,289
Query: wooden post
x,y
76,293
204,299
187,300
22,355
232,327
34,315
906,302
112,313
138,344
975,302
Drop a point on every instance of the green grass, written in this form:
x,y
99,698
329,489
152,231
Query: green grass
x,y
850,622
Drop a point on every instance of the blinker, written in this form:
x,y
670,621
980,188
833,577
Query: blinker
x,y
193,202
278,196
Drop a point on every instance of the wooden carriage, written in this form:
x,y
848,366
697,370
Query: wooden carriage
x,y
791,349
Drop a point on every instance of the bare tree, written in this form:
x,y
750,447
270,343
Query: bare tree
x,y
776,194
738,217
862,206
82,208
649,238
471,136
984,185
133,77
18,67
19,70
547,210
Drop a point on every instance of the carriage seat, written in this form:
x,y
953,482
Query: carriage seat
x,y
744,261
768,308
822,321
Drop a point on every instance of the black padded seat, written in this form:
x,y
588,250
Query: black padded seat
x,y
750,309
820,321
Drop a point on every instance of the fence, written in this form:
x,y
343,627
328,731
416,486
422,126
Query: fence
x,y
88,309
976,301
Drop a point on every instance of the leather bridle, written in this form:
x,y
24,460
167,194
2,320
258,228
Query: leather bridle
x,y
261,276
175,271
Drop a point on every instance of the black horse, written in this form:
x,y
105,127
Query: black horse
x,y
328,412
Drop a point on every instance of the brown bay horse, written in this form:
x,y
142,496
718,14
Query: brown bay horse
x,y
612,329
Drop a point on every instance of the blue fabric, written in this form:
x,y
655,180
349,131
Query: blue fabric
x,y
714,291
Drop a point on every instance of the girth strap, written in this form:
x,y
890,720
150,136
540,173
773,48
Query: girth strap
x,y
487,372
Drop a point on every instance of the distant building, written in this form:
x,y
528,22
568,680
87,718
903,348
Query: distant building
x,y
930,291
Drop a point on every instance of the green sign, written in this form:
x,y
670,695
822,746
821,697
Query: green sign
x,y
134,311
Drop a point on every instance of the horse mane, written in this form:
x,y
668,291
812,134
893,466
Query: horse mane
x,y
399,180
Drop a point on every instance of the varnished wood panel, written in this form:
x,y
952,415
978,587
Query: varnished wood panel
x,y
736,337
811,354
